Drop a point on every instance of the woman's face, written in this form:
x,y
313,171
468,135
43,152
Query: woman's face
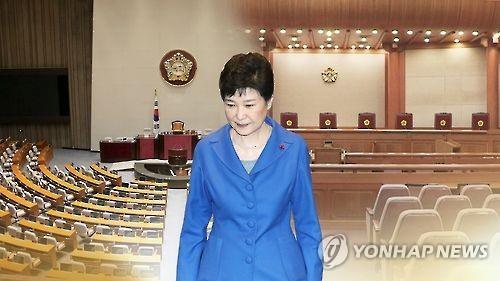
x,y
246,112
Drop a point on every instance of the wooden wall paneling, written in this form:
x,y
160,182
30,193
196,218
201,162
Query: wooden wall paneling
x,y
51,34
395,87
492,81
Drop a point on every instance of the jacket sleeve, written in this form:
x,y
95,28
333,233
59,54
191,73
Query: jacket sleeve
x,y
196,216
307,225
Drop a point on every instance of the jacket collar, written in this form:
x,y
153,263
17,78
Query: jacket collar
x,y
277,144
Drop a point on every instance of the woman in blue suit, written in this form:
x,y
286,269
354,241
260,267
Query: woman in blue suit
x,y
250,175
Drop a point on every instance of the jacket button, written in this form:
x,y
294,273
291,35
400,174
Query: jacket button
x,y
249,187
250,205
248,260
251,224
248,241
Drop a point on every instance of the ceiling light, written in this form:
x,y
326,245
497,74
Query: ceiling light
x,y
396,39
296,45
409,32
428,32
358,31
456,40
290,46
443,32
261,38
329,33
363,39
320,31
304,46
353,47
367,47
282,31
336,31
374,31
426,40
328,45
321,46
460,33
262,31
336,46
329,39
475,33
294,38
248,30
394,31
361,46
299,31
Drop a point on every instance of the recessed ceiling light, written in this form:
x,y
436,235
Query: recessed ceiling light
x,y
321,46
248,30
320,31
294,38
361,46
336,31
426,40
261,38
299,31
358,31
394,31
428,32
443,32
460,33
475,33
363,39
456,40
329,39
282,31
304,46
396,39
328,45
374,31
409,32
297,45
367,47
290,46
353,47
329,33
336,46
262,31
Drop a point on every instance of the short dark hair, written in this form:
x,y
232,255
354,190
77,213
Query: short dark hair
x,y
243,71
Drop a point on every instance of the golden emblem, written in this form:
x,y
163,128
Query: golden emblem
x,y
442,122
178,67
404,123
329,75
366,122
289,123
480,123
328,122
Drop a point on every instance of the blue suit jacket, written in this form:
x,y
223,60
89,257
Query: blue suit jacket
x,y
251,237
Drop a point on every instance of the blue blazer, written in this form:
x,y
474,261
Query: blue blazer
x,y
251,238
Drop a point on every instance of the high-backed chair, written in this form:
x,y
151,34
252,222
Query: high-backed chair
x,y
385,192
430,194
393,208
448,207
493,202
477,193
413,223
478,223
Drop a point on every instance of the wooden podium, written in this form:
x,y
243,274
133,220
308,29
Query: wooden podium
x,y
146,147
480,121
116,151
404,121
176,141
366,120
327,120
442,121
289,120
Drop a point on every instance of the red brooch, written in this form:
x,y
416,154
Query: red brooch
x,y
282,146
